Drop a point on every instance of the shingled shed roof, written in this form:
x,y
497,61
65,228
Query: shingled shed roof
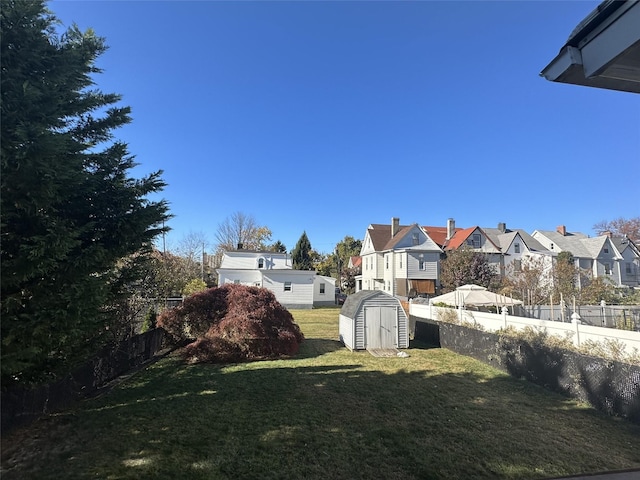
x,y
353,301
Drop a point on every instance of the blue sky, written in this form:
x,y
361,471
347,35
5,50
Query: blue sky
x,y
325,117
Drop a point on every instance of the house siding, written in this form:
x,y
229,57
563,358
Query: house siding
x,y
244,277
431,266
301,294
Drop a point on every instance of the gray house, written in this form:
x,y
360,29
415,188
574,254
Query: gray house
x,y
373,319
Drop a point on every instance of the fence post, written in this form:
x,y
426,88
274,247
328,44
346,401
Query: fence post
x,y
575,319
505,310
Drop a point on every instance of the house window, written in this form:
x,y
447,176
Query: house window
x,y
386,257
322,288
476,240
287,286
627,268
400,262
606,249
261,263
516,248
421,265
607,269
236,282
415,239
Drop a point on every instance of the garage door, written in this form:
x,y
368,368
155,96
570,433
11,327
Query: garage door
x,y
381,327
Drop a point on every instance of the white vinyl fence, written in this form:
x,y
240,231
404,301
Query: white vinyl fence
x,y
577,332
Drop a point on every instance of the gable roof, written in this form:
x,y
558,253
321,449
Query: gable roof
x,y
382,240
439,234
355,261
459,238
571,242
622,243
505,239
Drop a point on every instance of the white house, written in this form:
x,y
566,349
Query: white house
x,y
294,289
399,259
630,263
596,256
520,249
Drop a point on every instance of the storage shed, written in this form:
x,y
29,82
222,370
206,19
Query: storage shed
x,y
373,319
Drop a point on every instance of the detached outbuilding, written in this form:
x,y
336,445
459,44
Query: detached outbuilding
x,y
373,319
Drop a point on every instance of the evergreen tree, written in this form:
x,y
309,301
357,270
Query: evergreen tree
x,y
301,254
70,210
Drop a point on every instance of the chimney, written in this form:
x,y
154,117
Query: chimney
x,y
451,228
562,230
608,234
502,227
395,226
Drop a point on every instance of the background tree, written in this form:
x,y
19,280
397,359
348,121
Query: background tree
x,y
598,289
565,274
70,210
240,228
301,254
620,227
345,249
278,247
530,283
192,249
324,263
464,266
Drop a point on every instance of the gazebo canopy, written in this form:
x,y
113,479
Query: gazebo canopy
x,y
474,295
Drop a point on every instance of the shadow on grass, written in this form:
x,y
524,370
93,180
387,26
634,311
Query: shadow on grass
x,y
285,419
315,347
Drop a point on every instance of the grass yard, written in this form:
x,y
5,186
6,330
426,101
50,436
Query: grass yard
x,y
327,414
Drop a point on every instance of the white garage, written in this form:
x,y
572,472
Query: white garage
x,y
372,320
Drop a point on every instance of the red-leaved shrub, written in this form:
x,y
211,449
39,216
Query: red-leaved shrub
x,y
233,323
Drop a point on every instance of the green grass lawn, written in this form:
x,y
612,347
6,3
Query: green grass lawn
x,y
327,414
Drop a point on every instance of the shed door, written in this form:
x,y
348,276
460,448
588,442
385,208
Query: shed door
x,y
380,325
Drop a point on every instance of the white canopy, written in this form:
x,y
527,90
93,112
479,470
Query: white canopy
x,y
474,295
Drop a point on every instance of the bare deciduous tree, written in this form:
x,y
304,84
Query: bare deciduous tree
x,y
241,229
620,227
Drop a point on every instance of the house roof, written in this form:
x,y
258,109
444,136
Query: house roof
x,y
355,261
459,238
622,243
438,234
506,238
603,51
571,242
382,240
380,235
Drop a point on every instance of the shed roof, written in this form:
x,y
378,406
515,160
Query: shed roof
x,y
353,302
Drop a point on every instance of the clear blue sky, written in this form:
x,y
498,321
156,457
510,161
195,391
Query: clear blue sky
x,y
329,116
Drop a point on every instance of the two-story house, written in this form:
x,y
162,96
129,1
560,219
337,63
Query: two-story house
x,y
399,259
595,256
519,249
295,289
475,238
